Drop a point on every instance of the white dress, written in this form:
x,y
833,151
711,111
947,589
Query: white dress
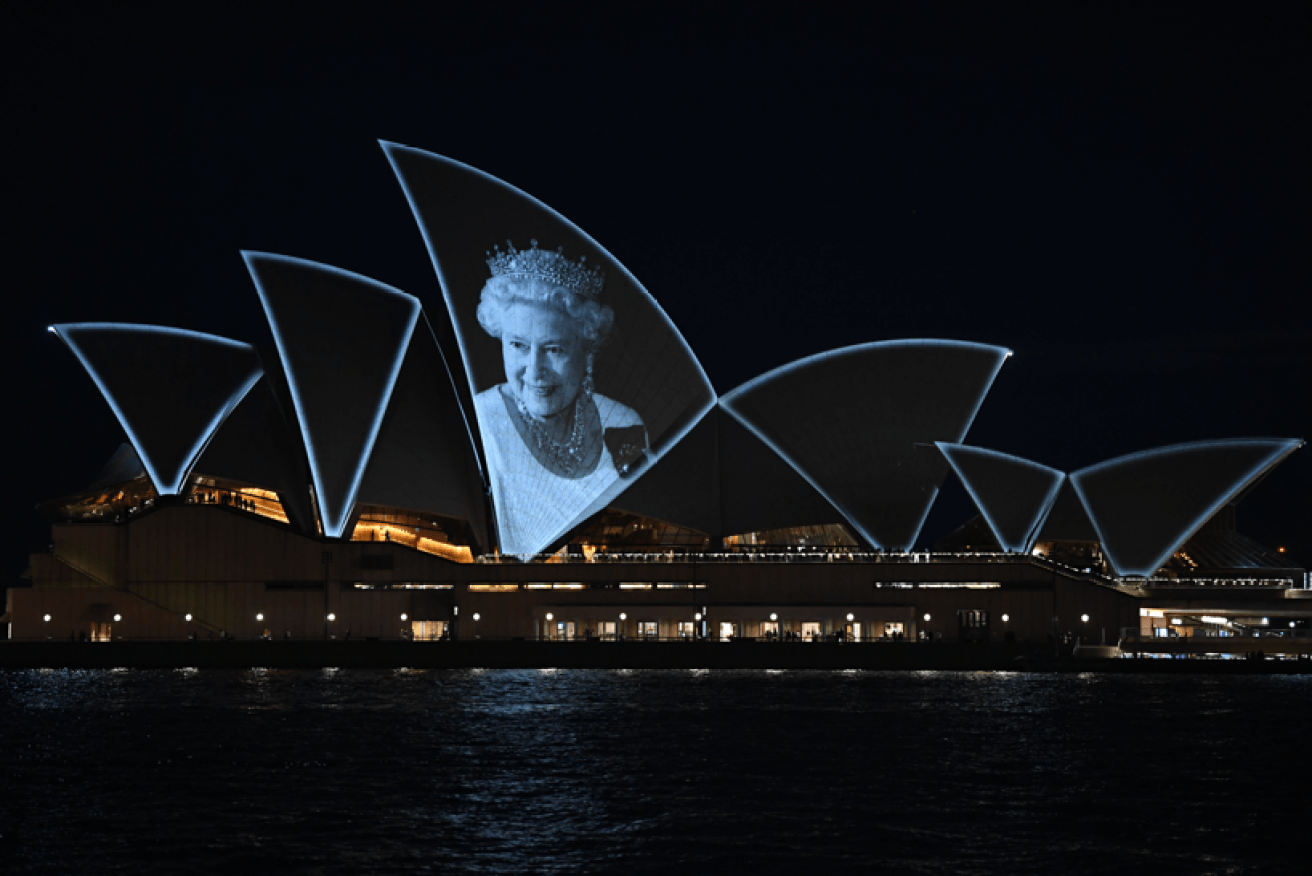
x,y
534,506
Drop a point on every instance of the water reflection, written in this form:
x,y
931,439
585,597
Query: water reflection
x,y
339,771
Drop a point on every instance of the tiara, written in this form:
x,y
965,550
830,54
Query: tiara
x,y
552,267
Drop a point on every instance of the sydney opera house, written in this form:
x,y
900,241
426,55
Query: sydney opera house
x,y
541,456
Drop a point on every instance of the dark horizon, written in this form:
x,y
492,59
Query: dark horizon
x,y
1119,197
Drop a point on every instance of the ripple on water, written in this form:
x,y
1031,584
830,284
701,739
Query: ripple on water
x,y
407,771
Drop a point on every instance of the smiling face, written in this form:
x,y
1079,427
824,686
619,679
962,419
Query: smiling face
x,y
543,353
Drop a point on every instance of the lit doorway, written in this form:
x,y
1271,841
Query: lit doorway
x,y
648,630
728,630
894,630
427,631
770,630
687,630
811,631
852,632
607,630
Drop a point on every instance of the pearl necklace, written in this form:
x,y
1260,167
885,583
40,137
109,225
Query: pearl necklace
x,y
568,457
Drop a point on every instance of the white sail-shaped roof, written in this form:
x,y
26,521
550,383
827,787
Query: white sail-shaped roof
x,y
169,388
1145,505
1014,495
859,423
648,387
341,339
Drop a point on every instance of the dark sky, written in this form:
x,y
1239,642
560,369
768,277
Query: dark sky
x,y
1119,195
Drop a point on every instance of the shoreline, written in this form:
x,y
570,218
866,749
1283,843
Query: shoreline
x,y
493,654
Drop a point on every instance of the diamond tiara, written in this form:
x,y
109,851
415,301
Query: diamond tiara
x,y
552,267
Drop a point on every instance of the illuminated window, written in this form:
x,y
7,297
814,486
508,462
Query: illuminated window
x,y
618,532
444,537
116,504
427,631
819,536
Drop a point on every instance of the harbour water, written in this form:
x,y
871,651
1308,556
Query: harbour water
x,y
516,771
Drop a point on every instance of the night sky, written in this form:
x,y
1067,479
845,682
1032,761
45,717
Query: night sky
x,y
1120,196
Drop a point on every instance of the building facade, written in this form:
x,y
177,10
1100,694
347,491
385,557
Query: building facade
x,y
541,456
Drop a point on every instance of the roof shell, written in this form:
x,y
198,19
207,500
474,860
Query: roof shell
x,y
341,338
1013,494
1067,519
123,466
858,423
646,365
1145,505
169,388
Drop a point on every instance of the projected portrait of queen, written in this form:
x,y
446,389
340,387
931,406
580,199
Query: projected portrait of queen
x,y
553,444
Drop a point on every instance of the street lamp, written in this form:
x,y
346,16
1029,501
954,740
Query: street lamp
x,y
1084,618
46,618
117,618
331,617
1005,618
260,616
476,615
404,616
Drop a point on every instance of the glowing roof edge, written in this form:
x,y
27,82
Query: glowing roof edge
x,y
1284,447
860,348
464,415
333,520
1044,508
162,487
726,402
